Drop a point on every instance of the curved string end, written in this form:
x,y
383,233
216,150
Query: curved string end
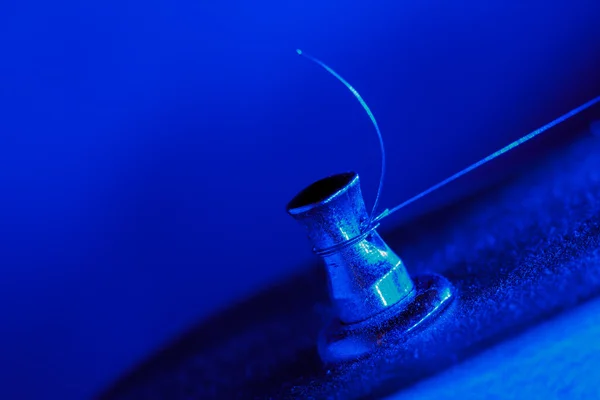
x,y
369,114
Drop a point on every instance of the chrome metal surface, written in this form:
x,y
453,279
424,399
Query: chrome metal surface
x,y
339,342
368,282
365,275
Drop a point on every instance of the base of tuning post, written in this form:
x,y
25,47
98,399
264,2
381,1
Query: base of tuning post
x,y
340,342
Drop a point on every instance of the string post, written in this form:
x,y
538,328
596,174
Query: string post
x,y
368,282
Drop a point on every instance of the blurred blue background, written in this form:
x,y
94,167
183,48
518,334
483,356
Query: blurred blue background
x,y
148,149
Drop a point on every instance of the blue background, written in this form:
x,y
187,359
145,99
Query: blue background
x,y
148,149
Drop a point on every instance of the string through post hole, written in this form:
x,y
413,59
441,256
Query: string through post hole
x,y
374,218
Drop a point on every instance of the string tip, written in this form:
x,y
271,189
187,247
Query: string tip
x,y
299,52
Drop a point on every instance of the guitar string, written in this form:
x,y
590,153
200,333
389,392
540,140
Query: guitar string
x,y
375,219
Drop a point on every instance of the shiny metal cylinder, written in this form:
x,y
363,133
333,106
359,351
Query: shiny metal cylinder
x,y
365,276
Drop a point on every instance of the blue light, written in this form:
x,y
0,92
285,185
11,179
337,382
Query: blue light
x,y
492,156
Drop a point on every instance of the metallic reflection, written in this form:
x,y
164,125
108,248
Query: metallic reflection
x,y
369,286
